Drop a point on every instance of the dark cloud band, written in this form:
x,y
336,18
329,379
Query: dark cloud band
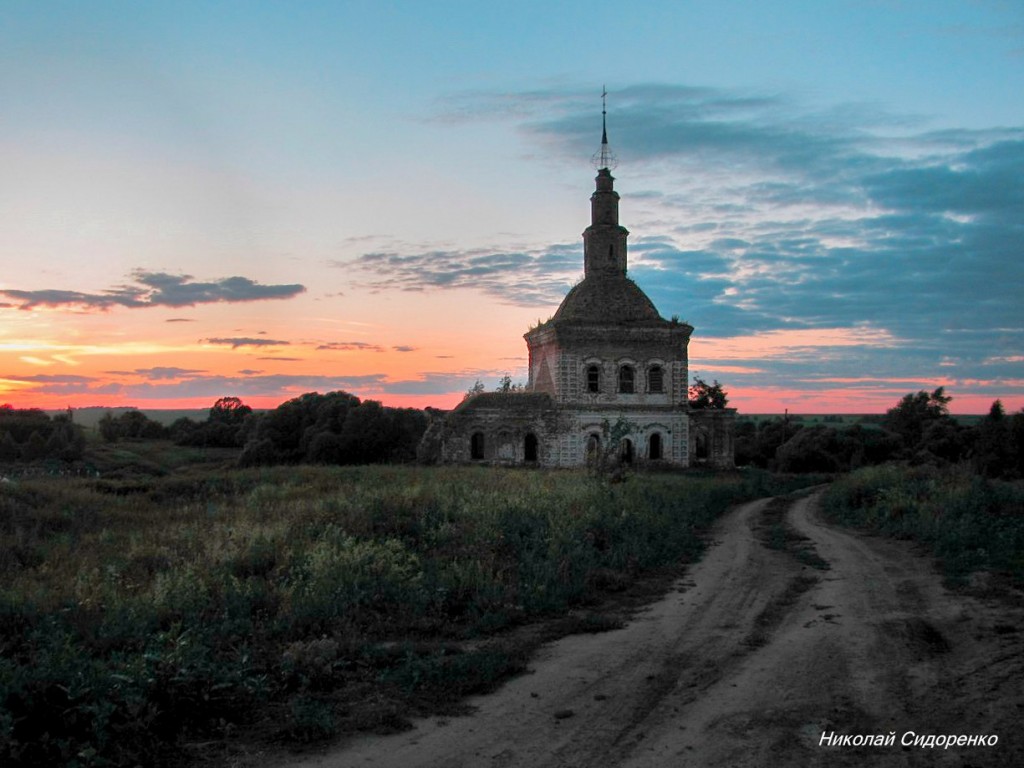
x,y
157,289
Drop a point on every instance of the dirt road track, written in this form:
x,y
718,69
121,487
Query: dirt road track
x,y
746,663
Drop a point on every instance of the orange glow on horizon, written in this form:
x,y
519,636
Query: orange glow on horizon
x,y
746,401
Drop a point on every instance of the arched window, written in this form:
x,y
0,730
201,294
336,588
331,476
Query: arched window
x,y
530,448
476,446
593,378
626,451
701,447
655,379
654,447
593,447
626,377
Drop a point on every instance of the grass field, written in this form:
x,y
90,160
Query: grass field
x,y
172,602
969,522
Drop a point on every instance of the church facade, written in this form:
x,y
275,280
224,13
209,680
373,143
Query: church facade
x,y
606,373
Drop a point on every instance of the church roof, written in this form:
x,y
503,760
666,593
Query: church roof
x,y
607,299
506,400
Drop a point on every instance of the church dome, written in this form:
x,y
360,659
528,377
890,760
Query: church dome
x,y
607,299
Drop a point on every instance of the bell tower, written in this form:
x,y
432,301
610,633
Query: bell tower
x,y
604,241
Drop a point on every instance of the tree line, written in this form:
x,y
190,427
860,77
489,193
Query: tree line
x,y
29,434
339,428
918,430
332,428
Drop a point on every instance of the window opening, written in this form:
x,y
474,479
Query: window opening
x,y
593,378
627,451
626,377
656,379
530,448
476,446
654,447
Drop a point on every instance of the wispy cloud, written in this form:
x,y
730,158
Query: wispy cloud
x,y
244,341
157,289
349,346
209,386
161,373
526,278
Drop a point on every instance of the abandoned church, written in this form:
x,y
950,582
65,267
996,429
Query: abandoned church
x,y
606,373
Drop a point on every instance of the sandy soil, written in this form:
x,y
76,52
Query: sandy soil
x,y
745,663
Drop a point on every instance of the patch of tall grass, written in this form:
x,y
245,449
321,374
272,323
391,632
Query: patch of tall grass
x,y
971,523
138,617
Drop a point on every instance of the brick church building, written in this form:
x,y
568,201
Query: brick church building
x,y
607,373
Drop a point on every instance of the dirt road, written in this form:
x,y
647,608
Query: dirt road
x,y
746,663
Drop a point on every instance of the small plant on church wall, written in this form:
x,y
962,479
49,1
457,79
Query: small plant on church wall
x,y
605,458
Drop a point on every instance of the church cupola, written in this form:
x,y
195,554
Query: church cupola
x,y
604,241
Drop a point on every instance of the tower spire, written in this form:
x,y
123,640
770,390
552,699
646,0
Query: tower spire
x,y
604,158
604,116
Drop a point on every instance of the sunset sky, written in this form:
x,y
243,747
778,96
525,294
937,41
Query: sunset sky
x,y
262,199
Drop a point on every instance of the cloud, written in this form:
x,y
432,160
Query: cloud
x,y
50,378
438,383
157,289
212,387
349,346
160,373
62,384
243,341
404,348
530,278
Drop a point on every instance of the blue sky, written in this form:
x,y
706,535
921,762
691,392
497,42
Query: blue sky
x,y
831,192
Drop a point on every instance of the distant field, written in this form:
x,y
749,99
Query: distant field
x,y
847,419
833,419
90,417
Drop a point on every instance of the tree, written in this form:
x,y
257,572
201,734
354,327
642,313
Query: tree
x,y
913,413
34,448
9,449
110,429
605,457
335,428
1016,431
704,395
229,410
475,390
993,451
505,385
814,449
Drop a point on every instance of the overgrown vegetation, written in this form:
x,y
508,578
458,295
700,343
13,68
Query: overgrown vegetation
x,y
336,428
143,616
29,435
970,522
918,430
704,396
224,426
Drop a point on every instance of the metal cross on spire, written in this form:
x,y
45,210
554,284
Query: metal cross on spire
x,y
604,157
